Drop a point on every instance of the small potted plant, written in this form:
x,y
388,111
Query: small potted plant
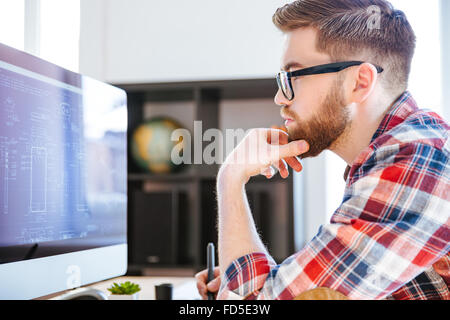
x,y
124,291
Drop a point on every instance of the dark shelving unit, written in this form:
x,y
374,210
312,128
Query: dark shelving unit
x,y
179,210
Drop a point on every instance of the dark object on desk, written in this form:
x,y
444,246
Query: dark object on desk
x,y
210,265
163,291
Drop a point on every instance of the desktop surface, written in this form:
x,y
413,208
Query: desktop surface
x,y
184,288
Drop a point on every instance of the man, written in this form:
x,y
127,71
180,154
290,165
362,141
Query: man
x,y
343,88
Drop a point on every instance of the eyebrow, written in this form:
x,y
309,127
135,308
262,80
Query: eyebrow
x,y
293,65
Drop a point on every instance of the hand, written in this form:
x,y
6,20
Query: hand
x,y
259,151
282,138
203,287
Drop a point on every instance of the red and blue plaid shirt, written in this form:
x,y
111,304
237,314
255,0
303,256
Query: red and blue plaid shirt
x,y
389,239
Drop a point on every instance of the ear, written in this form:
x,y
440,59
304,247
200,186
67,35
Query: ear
x,y
365,78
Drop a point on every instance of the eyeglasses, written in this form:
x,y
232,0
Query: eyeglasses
x,y
284,78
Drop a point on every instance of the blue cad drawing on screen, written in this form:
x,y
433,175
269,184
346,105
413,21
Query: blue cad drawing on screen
x,y
62,165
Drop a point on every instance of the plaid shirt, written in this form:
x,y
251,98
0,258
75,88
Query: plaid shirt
x,y
389,239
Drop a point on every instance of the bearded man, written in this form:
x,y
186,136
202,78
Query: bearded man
x,y
343,88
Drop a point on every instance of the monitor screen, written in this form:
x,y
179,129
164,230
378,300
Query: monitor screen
x,y
63,170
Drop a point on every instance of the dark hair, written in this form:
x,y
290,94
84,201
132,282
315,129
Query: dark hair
x,y
368,29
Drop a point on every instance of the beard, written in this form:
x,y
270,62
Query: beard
x,y
328,124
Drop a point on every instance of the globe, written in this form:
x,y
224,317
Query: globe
x,y
151,145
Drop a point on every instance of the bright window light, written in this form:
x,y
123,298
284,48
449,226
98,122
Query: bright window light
x,y
60,32
425,82
12,17
426,79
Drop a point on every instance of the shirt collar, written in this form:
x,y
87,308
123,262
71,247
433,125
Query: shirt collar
x,y
397,113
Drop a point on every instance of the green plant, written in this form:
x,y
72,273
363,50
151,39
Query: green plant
x,y
124,288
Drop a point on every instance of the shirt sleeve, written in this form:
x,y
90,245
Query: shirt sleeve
x,y
393,224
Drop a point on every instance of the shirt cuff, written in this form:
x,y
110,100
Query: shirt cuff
x,y
245,277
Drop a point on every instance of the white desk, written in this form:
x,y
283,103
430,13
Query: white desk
x,y
183,288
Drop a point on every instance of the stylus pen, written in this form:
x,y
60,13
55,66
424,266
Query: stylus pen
x,y
210,265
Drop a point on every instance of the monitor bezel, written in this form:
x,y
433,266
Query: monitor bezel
x,y
51,271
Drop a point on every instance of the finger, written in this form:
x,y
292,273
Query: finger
x,y
202,276
276,166
283,139
277,137
215,282
272,172
283,128
268,171
213,286
283,169
289,150
217,272
202,290
294,163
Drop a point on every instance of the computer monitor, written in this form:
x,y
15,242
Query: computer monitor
x,y
63,178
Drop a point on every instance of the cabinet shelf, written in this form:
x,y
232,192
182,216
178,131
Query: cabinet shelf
x,y
186,175
161,177
172,217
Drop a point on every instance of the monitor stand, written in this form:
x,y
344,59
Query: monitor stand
x,y
82,294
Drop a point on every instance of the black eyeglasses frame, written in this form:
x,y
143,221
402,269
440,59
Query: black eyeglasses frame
x,y
320,69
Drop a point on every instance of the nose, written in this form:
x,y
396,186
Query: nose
x,y
280,100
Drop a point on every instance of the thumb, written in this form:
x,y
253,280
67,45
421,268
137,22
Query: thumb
x,y
292,149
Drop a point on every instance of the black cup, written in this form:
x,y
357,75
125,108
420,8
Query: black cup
x,y
163,291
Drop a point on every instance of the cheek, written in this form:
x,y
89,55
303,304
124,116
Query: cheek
x,y
305,106
310,93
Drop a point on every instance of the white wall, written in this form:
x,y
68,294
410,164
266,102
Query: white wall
x,y
126,41
92,38
159,40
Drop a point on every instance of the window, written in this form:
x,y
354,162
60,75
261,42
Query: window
x,y
60,32
426,79
425,83
12,23
47,28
